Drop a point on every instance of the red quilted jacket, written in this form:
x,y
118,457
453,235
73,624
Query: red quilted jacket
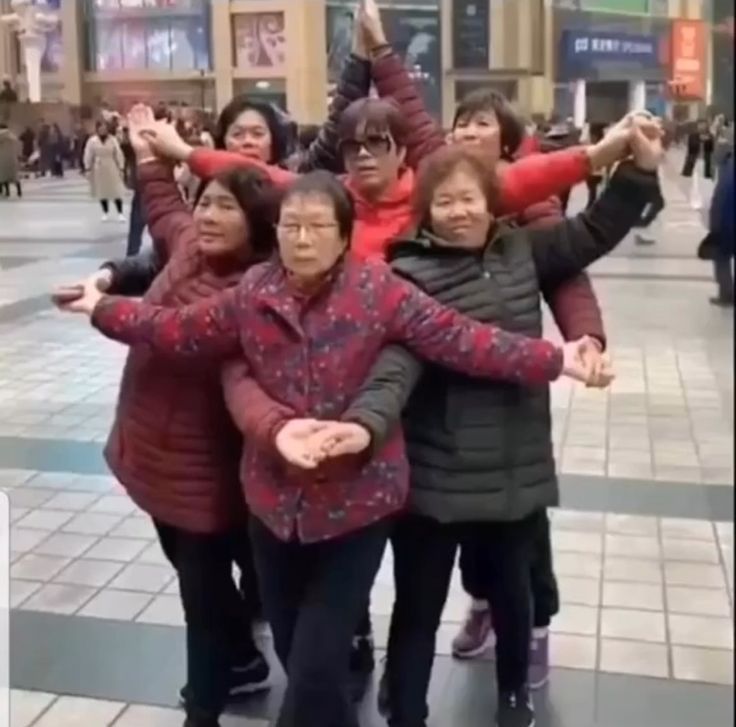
x,y
173,445
311,355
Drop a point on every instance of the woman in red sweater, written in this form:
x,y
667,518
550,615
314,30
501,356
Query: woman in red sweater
x,y
173,445
319,534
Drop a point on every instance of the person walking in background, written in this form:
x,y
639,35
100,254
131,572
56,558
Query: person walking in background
x,y
722,229
10,151
700,145
104,165
57,151
28,143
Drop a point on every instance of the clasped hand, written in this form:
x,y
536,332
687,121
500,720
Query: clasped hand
x,y
306,443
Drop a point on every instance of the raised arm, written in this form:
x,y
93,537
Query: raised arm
x,y
573,302
208,329
444,336
565,250
169,220
254,412
207,163
354,84
538,176
392,80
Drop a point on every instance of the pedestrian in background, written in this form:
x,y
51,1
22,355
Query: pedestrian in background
x,y
104,163
722,230
10,150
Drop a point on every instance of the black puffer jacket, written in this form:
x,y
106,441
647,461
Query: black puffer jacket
x,y
482,450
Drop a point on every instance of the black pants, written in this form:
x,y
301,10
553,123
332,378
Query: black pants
x,y
105,204
218,629
424,556
313,596
565,200
5,189
474,564
652,210
136,227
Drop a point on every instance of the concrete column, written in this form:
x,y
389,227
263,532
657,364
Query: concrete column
x,y
32,46
71,68
637,95
221,50
579,104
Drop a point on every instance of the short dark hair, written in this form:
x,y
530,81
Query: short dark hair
x,y
259,199
440,164
328,185
381,115
239,104
509,122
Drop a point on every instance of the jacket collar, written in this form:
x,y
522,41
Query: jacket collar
x,y
398,195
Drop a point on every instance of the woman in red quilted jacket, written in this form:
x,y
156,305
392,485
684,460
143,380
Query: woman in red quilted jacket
x,y
306,328
173,445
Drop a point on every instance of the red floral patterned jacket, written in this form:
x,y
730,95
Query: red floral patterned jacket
x,y
311,355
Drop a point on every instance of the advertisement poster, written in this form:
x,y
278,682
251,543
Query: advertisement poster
x,y
688,57
413,32
260,40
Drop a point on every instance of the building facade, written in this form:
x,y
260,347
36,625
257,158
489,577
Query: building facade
x,y
589,57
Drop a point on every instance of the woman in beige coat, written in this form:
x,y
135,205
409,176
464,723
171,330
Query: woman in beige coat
x,y
104,162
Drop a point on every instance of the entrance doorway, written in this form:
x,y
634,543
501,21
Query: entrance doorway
x,y
606,101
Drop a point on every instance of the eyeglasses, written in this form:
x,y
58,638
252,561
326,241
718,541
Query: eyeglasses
x,y
375,144
291,231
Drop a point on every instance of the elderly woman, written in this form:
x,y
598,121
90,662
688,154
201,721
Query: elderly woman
x,y
319,534
480,452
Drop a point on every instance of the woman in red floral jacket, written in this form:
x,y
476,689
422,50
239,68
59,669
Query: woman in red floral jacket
x,y
319,534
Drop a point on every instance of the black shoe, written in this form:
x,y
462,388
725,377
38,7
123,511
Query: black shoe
x,y
722,302
362,664
643,241
244,680
515,709
197,720
384,697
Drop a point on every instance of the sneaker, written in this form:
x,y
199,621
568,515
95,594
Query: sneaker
x,y
515,709
121,218
643,241
362,664
105,217
476,635
539,661
722,302
248,679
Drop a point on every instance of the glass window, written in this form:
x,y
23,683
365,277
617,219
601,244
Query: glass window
x,y
136,35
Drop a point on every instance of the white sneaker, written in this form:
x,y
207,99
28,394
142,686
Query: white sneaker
x,y
105,217
121,218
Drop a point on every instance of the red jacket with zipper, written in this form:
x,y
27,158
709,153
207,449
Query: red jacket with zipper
x,y
173,445
292,345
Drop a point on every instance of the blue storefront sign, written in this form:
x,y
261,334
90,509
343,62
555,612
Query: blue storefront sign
x,y
584,52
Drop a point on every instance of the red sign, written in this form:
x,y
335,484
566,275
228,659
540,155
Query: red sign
x,y
688,58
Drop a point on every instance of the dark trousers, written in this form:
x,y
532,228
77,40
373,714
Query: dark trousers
x,y
474,564
5,189
722,266
105,204
136,227
424,556
313,596
652,210
565,200
218,630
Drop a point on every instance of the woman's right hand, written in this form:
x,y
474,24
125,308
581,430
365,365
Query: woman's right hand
x,y
165,141
577,364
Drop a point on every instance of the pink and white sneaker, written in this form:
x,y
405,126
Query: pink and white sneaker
x,y
476,635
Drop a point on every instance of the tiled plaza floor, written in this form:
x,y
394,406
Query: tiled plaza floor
x,y
643,543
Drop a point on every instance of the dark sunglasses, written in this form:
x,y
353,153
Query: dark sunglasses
x,y
375,144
